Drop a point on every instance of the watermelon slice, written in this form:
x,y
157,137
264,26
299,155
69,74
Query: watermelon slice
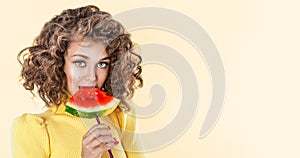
x,y
88,101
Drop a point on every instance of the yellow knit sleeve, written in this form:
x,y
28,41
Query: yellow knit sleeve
x,y
30,137
130,137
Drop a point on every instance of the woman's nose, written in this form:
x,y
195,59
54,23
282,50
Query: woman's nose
x,y
91,74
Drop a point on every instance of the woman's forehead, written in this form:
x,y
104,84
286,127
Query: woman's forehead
x,y
89,48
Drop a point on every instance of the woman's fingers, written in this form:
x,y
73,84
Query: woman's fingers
x,y
97,140
112,144
97,135
97,127
101,141
95,132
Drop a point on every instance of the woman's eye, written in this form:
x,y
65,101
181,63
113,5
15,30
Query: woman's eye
x,y
102,64
80,63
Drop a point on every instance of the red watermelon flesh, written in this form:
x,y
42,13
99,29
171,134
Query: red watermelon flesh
x,y
88,101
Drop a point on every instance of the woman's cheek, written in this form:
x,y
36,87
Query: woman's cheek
x,y
102,77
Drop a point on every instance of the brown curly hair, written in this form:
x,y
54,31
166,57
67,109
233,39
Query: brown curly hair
x,y
43,63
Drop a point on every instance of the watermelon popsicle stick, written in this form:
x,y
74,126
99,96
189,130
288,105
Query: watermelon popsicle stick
x,y
109,151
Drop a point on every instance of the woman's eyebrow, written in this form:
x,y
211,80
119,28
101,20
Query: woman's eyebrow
x,y
80,55
105,58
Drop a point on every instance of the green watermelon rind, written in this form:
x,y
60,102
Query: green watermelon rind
x,y
82,114
90,112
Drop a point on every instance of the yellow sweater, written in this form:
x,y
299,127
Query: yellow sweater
x,y
58,134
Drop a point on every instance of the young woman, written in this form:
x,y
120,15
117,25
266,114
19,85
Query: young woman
x,y
79,47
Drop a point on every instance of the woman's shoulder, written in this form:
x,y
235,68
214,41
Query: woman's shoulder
x,y
52,113
30,136
29,120
126,118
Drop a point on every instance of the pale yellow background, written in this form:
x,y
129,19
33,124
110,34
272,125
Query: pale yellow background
x,y
258,41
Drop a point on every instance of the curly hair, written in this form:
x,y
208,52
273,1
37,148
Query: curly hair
x,y
43,62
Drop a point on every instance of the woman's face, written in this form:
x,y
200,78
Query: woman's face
x,y
86,64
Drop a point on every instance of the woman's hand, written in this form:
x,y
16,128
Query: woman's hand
x,y
96,141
